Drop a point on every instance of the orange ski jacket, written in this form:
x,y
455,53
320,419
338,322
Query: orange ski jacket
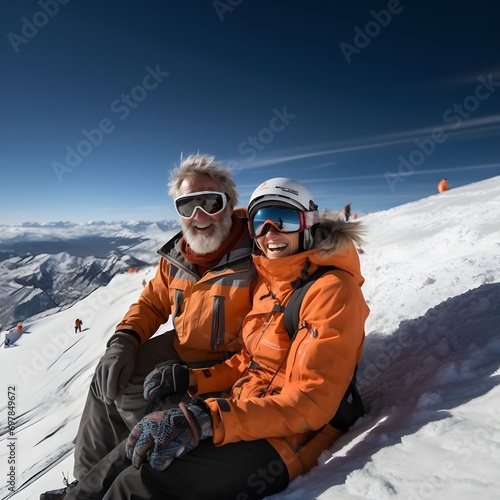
x,y
443,185
207,311
285,391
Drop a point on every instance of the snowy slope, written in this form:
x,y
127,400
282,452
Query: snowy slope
x,y
429,374
48,267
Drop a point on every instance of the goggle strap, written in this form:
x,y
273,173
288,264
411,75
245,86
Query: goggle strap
x,y
310,218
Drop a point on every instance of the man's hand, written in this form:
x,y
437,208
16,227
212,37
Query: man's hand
x,y
167,378
164,435
115,368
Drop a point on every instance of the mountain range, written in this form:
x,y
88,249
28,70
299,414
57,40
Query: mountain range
x,y
45,268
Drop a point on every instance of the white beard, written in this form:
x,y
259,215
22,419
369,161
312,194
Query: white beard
x,y
204,243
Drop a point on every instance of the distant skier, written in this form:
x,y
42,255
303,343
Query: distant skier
x,y
78,325
443,185
19,328
347,211
144,283
7,339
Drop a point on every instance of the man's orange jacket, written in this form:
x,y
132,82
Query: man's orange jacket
x,y
207,311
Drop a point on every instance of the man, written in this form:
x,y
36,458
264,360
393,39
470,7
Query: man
x,y
347,212
443,185
78,325
204,284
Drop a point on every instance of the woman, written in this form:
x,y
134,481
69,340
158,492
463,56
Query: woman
x,y
282,393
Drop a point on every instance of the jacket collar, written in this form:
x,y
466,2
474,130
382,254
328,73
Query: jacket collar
x,y
334,245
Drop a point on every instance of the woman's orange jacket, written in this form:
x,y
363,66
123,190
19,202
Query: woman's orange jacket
x,y
284,391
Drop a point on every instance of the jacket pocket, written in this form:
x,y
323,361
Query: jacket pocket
x,y
301,452
217,337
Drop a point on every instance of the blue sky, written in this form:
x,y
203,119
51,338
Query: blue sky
x,y
368,102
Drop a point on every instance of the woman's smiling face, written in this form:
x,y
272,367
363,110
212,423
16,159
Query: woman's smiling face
x,y
276,245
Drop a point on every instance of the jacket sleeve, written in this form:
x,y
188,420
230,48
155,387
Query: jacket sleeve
x,y
223,376
153,307
320,365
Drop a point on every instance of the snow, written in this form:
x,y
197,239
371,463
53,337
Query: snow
x,y
429,375
58,264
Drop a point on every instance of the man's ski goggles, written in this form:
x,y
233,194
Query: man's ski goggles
x,y
285,220
211,202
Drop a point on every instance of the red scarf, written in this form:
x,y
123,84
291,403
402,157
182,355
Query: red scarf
x,y
206,261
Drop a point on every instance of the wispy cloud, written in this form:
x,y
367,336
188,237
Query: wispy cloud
x,y
417,172
246,189
476,127
466,79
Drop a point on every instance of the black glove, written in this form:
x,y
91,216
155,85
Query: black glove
x,y
115,368
164,435
167,378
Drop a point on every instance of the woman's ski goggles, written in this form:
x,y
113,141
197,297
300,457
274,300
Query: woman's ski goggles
x,y
211,202
285,220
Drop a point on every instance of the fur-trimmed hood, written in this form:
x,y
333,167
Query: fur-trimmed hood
x,y
335,243
336,235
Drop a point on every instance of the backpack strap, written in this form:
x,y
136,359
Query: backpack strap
x,y
351,406
292,307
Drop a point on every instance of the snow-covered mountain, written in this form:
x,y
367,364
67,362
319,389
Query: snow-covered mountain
x,y
47,267
429,376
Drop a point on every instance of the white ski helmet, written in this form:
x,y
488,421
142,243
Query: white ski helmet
x,y
282,191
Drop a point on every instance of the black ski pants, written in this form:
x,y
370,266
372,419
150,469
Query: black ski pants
x,y
103,426
236,471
